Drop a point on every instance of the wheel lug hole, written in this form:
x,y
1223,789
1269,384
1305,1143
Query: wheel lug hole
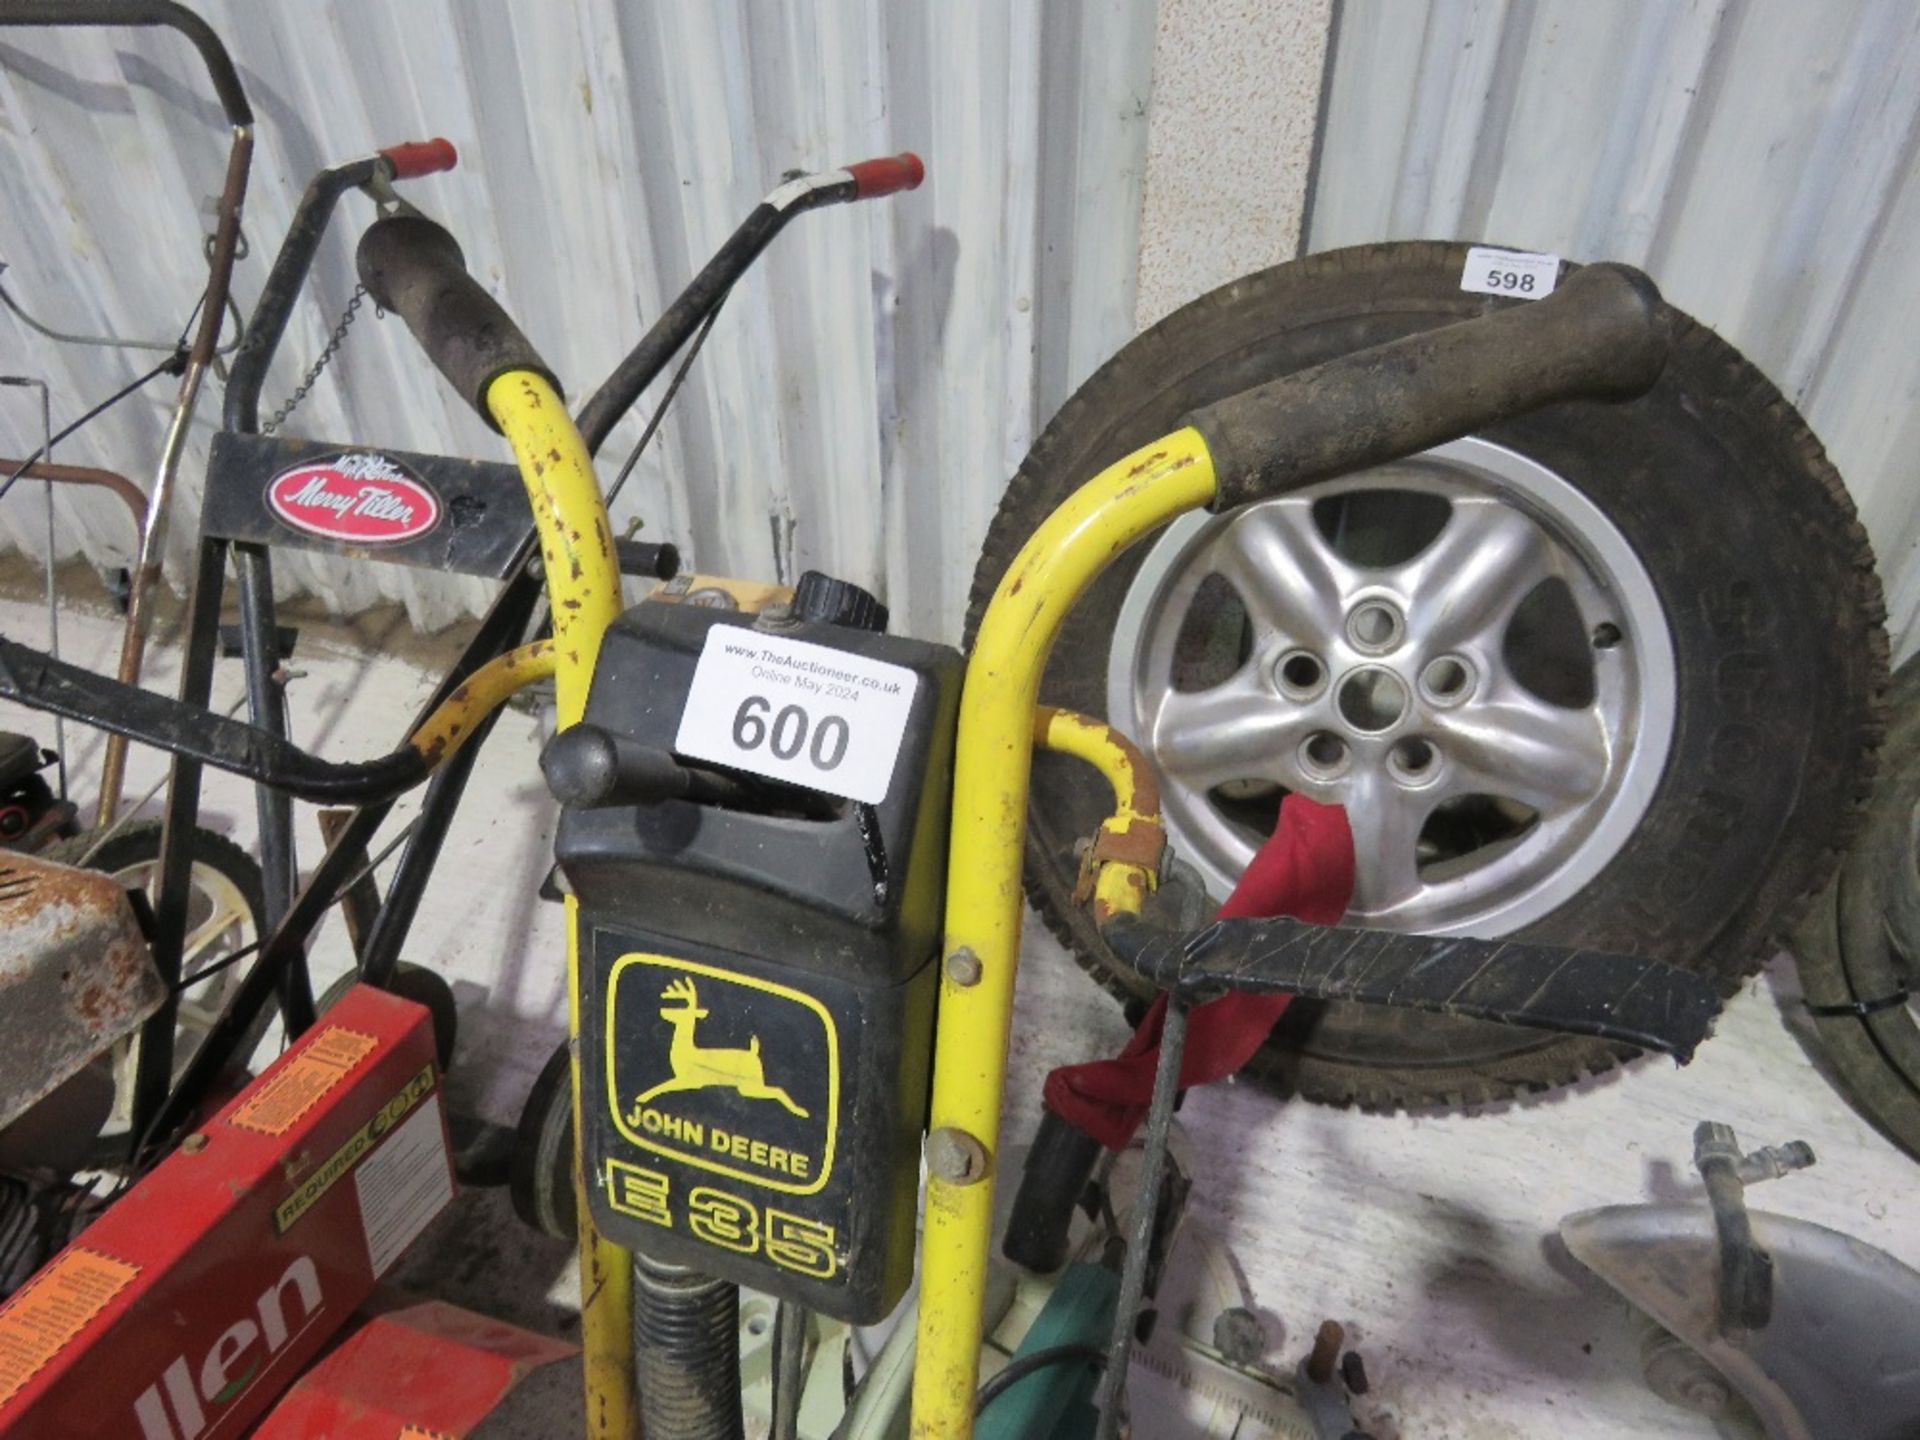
x,y
1448,680
1300,674
1324,755
1372,699
1375,627
1606,635
1413,761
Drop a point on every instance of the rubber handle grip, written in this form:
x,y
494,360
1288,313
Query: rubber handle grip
x,y
1057,1171
588,766
421,157
1601,336
887,175
414,268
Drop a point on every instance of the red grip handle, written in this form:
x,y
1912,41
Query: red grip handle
x,y
886,175
421,157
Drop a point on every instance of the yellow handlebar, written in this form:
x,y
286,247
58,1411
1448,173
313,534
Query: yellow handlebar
x,y
992,763
583,589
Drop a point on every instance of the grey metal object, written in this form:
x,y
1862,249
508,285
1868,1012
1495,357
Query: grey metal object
x,y
1837,1359
75,975
1140,1226
1393,689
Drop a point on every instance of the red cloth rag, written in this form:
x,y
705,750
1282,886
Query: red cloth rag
x,y
1304,870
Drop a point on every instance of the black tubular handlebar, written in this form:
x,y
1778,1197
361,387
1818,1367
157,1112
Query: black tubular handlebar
x,y
36,679
226,80
1600,336
414,268
241,408
867,180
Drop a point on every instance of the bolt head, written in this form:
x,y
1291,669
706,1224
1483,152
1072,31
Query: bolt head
x,y
963,967
955,1156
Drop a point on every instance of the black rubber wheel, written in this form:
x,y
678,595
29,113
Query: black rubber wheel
x,y
1762,573
420,985
1859,944
540,1181
225,879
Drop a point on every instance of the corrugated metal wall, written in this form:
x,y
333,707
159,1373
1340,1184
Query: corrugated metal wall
x,y
1757,157
865,395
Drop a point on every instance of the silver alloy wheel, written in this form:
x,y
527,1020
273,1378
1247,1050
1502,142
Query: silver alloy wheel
x,y
1401,690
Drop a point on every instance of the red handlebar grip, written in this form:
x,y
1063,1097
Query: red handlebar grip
x,y
886,175
421,157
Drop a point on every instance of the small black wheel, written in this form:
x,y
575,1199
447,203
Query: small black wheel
x,y
420,985
224,915
1859,945
541,1180
1602,675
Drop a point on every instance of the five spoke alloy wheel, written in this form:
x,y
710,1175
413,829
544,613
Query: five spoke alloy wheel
x,y
1460,649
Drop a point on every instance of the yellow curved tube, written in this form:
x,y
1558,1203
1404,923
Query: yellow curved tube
x,y
583,588
1122,865
447,728
992,765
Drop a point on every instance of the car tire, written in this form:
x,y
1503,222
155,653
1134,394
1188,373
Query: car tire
x,y
1761,577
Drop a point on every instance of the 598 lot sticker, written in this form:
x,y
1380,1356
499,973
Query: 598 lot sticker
x,y
794,711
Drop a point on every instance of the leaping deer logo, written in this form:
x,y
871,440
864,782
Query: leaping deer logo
x,y
700,1067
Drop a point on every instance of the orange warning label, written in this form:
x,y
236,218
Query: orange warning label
x,y
44,1316
414,1432
276,1106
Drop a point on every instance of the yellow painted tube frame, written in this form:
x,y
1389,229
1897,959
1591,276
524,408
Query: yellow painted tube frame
x,y
447,728
1120,885
583,589
992,764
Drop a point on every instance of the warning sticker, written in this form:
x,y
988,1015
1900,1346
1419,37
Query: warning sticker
x,y
414,1432
403,1185
277,1106
44,1317
352,1150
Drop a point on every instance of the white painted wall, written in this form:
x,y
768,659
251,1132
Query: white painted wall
x,y
1759,158
870,387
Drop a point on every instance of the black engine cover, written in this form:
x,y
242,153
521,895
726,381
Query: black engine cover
x,y
758,980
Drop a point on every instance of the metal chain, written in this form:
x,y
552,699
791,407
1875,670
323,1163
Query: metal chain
x,y
334,342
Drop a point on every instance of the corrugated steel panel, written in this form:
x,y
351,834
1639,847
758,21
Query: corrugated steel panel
x,y
865,395
1758,159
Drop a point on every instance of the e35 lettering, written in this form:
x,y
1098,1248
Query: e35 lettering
x,y
790,1241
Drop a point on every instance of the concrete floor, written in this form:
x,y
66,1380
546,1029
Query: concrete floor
x,y
1429,1236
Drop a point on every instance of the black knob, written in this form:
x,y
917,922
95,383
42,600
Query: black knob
x,y
827,601
590,767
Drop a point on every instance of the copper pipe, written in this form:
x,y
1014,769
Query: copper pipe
x,y
130,494
146,571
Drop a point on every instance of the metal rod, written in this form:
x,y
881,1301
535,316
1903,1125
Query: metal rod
x,y
53,605
153,1073
115,342
128,493
267,710
789,1368
1153,1164
153,535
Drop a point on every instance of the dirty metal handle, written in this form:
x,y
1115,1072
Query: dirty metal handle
x,y
1601,336
413,267
226,80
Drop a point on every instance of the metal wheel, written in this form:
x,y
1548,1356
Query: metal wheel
x,y
1460,648
223,916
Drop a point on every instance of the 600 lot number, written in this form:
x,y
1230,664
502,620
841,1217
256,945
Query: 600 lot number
x,y
791,732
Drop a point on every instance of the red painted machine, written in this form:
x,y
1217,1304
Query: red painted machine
x,y
196,1300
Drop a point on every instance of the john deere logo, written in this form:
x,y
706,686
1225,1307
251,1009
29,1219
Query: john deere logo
x,y
723,1072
